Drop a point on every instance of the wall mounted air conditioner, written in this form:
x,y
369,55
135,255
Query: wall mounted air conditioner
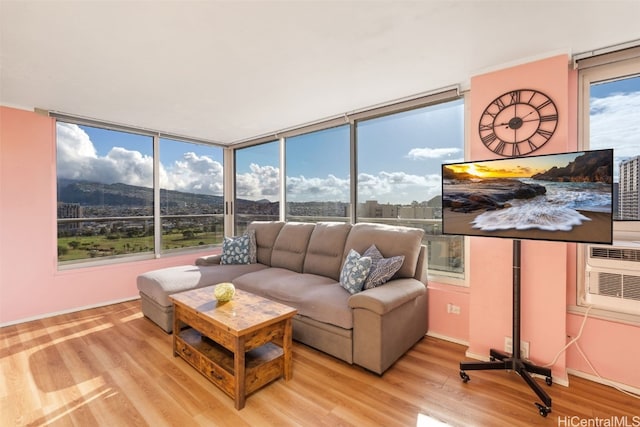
x,y
613,276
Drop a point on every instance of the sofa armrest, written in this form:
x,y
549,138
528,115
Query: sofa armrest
x,y
389,296
209,260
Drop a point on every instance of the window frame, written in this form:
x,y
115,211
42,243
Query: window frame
x,y
397,106
609,66
155,218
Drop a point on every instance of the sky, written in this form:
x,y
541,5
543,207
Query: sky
x,y
399,156
615,119
523,167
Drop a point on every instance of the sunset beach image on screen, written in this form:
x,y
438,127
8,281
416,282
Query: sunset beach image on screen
x,y
563,197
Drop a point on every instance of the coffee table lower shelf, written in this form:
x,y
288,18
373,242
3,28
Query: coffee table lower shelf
x,y
262,365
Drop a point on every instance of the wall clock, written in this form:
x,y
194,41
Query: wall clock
x,y
518,122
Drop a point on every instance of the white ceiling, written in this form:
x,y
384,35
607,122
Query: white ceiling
x,y
227,71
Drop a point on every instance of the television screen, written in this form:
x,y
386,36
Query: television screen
x,y
564,197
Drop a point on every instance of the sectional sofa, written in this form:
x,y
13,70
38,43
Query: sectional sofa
x,y
304,265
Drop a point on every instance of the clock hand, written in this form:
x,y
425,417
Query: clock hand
x,y
521,118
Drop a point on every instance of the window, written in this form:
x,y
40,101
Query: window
x,y
609,105
399,165
385,160
317,169
614,122
106,194
257,184
191,194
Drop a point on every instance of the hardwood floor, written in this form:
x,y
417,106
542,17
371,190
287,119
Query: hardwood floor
x,y
110,366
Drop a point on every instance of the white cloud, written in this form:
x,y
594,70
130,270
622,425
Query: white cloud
x,y
331,188
386,187
194,174
431,153
397,187
77,158
615,122
261,182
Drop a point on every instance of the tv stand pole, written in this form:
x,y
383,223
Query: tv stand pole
x,y
514,362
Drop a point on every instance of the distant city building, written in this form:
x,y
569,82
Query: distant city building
x,y
69,210
416,212
629,190
373,209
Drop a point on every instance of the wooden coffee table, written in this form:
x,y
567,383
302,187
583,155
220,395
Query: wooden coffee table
x,y
240,345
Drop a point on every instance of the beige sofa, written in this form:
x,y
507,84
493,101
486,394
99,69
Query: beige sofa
x,y
299,264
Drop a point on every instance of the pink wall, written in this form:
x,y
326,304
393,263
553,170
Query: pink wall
x,y
544,272
30,284
443,323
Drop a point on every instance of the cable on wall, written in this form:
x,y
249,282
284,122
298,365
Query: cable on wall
x,y
584,356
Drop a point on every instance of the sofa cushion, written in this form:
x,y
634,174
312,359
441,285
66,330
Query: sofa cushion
x,y
324,253
159,284
314,296
266,233
382,269
391,240
354,272
290,246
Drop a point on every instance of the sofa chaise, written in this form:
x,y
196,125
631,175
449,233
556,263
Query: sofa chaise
x,y
300,264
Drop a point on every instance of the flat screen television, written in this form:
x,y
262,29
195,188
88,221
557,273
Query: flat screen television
x,y
559,197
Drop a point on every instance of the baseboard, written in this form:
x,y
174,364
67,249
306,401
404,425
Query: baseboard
x,y
604,381
447,338
71,310
483,358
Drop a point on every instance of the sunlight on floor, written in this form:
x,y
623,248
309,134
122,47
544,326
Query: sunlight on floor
x,y
90,391
427,421
134,316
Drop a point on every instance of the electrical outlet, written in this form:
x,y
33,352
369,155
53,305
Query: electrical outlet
x,y
524,347
453,309
507,345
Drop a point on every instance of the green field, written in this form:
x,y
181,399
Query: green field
x,y
86,247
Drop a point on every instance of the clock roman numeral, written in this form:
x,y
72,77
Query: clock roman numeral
x,y
544,133
499,103
486,127
489,138
515,96
549,118
500,147
532,146
516,150
544,104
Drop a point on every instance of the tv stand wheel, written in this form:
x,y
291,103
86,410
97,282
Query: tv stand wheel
x,y
465,378
543,410
549,381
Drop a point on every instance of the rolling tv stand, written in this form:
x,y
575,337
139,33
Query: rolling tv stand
x,y
514,362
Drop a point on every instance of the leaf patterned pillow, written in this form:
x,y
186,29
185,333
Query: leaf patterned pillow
x,y
354,272
382,269
240,249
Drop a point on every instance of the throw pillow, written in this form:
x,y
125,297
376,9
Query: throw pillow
x,y
354,272
382,269
252,246
240,249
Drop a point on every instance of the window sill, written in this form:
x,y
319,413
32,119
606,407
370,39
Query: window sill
x,y
608,315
